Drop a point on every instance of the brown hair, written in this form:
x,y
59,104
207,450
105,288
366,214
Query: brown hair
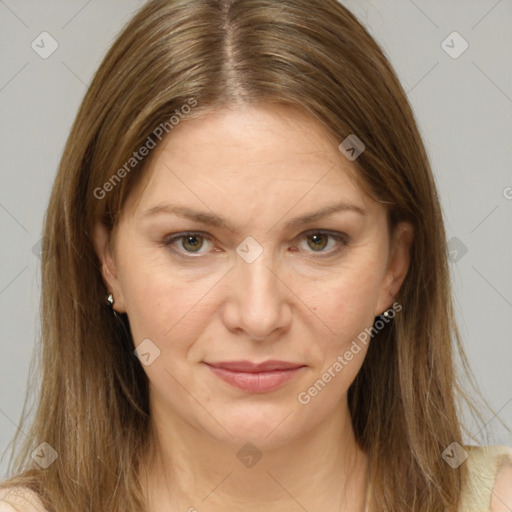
x,y
311,54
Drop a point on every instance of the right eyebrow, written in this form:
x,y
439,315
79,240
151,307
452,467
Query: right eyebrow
x,y
188,213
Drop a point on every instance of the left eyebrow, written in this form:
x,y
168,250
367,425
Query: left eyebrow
x,y
325,212
214,220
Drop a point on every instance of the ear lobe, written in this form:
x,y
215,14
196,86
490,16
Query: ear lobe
x,y
101,239
398,265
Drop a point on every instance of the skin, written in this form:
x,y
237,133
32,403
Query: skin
x,y
257,168
501,499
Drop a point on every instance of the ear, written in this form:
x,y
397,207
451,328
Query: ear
x,y
398,265
104,250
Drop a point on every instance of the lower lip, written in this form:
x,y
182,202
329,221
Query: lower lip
x,y
259,382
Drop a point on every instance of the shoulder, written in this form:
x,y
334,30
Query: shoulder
x,y
502,491
489,484
20,499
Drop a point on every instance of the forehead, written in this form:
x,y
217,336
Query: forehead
x,y
267,157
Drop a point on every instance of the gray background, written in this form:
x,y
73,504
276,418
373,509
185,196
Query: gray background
x,y
463,106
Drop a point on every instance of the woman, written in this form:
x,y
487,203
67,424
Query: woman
x,y
246,297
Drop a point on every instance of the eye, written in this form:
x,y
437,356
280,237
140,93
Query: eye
x,y
318,241
188,242
324,243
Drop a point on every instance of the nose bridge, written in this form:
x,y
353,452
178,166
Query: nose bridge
x,y
254,262
258,279
258,296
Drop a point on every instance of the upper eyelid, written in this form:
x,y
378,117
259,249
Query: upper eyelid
x,y
304,233
342,237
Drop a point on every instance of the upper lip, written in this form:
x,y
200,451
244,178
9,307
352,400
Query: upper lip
x,y
250,367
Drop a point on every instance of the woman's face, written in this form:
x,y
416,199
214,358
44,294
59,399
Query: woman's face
x,y
249,243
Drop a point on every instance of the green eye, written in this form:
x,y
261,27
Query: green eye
x,y
192,243
319,240
324,244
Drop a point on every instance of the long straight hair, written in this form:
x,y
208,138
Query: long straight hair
x,y
92,408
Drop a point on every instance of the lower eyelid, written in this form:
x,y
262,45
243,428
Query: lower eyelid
x,y
171,240
341,239
341,243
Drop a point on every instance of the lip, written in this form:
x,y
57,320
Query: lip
x,y
250,367
256,377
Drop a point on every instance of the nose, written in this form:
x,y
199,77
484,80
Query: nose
x,y
258,299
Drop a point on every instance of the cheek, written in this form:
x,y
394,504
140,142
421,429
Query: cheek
x,y
347,300
164,309
154,298
346,305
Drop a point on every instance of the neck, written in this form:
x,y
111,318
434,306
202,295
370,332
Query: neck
x,y
323,470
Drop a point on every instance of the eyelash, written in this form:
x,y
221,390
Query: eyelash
x,y
341,238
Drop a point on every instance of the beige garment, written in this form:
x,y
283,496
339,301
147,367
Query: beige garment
x,y
20,499
483,464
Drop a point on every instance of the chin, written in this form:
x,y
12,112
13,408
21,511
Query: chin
x,y
267,426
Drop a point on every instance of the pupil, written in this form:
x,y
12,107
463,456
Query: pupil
x,y
190,241
317,239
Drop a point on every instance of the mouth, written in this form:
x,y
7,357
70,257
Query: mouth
x,y
256,377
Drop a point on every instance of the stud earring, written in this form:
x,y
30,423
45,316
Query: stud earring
x,y
386,316
121,326
389,314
